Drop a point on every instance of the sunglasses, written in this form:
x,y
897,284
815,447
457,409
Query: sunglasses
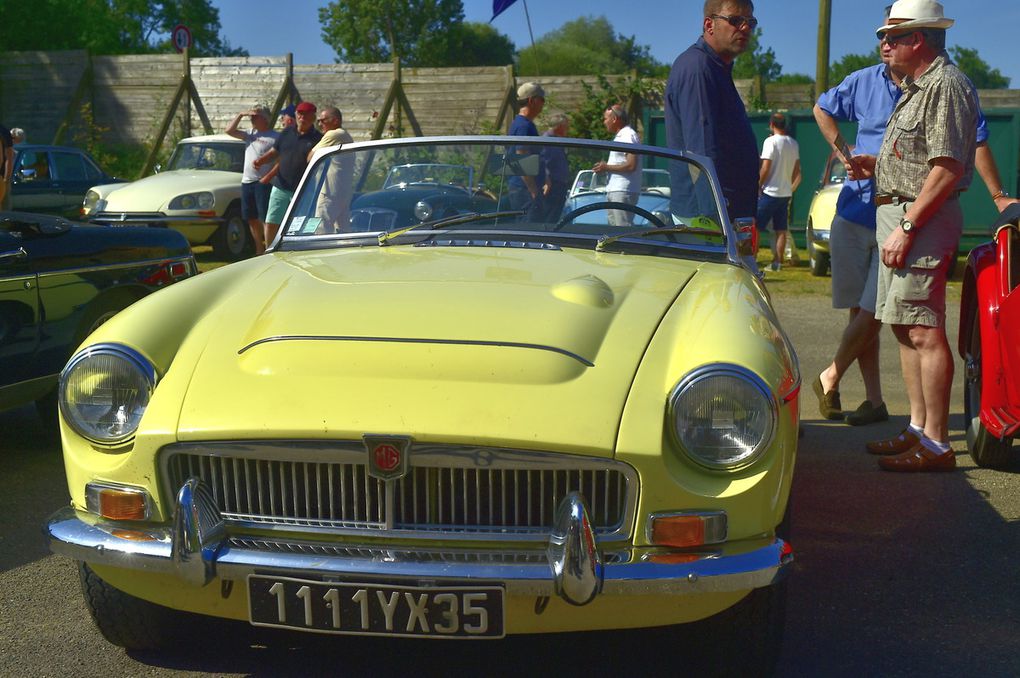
x,y
893,40
737,21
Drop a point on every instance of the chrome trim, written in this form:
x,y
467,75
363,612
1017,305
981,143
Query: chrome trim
x,y
93,488
576,562
412,340
147,218
19,253
184,258
230,467
716,524
140,362
735,567
198,534
719,369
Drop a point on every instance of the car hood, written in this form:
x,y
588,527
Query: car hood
x,y
492,346
154,193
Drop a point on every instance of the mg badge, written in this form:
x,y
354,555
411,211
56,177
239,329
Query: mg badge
x,y
387,456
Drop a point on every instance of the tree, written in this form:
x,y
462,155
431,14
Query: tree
x,y
111,26
980,73
482,45
756,62
419,32
850,63
587,46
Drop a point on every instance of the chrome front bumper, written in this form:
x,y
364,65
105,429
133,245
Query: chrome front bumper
x,y
197,548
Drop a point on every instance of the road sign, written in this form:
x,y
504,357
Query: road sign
x,y
181,37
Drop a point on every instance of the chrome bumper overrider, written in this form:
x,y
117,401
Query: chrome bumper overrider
x,y
196,548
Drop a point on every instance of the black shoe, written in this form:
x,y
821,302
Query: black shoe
x,y
867,414
829,405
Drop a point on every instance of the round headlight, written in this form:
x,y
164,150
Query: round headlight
x,y
190,201
423,210
104,391
90,203
723,416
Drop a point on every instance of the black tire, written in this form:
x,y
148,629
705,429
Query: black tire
x,y
985,449
126,621
819,261
232,240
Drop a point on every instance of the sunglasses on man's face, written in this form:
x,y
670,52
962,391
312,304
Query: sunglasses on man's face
x,y
738,21
893,40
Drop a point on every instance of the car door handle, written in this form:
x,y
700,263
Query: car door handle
x,y
19,253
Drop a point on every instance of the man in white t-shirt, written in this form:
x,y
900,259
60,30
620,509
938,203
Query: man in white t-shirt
x,y
778,177
624,174
255,186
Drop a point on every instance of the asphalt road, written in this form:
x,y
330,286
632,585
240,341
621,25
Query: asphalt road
x,y
894,575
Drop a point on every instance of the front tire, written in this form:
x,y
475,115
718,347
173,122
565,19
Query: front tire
x,y
985,449
126,621
819,261
232,240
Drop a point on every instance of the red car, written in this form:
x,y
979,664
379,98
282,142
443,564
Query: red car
x,y
990,343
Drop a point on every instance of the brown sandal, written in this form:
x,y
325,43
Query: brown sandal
x,y
898,445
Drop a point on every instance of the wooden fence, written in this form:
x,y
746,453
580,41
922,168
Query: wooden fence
x,y
148,99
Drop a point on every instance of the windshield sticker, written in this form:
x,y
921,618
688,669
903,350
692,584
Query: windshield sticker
x,y
311,224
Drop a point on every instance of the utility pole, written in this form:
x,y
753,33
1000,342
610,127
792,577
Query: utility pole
x,y
822,63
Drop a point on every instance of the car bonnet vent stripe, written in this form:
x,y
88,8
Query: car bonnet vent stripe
x,y
516,244
411,340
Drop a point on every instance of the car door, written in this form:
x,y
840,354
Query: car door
x,y
71,180
1008,251
19,312
33,187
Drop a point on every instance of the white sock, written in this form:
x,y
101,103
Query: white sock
x,y
934,445
916,430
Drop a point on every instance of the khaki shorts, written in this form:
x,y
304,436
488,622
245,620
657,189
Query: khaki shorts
x,y
854,256
916,293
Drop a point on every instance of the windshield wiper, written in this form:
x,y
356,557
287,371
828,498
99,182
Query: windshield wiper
x,y
458,219
607,240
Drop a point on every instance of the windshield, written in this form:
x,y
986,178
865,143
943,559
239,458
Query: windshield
x,y
499,186
222,155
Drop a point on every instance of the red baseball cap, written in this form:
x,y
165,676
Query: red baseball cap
x,y
306,107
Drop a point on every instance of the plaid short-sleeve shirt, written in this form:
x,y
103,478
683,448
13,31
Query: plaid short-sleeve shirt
x,y
935,118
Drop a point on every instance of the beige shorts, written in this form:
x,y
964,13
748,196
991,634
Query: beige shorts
x,y
916,293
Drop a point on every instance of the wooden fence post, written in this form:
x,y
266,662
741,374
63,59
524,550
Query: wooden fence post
x,y
73,107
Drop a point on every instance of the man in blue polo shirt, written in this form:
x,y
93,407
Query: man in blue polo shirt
x,y
867,97
705,114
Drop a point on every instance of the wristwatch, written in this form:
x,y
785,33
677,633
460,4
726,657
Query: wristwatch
x,y
907,225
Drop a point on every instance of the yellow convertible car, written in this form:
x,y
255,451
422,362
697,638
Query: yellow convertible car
x,y
460,427
820,214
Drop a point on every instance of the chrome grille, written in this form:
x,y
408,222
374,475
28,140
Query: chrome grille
x,y
449,492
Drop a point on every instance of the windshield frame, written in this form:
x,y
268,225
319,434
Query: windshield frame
x,y
283,242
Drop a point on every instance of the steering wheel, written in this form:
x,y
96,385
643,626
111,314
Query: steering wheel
x,y
597,206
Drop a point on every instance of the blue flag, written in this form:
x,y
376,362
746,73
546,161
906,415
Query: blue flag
x,y
498,6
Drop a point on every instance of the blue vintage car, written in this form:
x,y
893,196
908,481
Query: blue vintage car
x,y
59,281
53,179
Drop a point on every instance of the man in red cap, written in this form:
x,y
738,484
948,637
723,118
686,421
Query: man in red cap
x,y
292,149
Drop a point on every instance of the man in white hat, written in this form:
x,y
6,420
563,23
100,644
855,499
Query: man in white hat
x,y
925,161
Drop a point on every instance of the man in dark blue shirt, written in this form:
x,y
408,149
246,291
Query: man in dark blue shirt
x,y
557,172
525,191
705,114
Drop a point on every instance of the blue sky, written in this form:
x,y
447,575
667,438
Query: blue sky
x,y
668,27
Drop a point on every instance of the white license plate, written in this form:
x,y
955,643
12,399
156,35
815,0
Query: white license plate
x,y
376,609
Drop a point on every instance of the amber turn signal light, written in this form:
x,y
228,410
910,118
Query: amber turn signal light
x,y
117,503
686,529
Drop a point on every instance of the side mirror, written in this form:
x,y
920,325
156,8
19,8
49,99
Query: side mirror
x,y
157,169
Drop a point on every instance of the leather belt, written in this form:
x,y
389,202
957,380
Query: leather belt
x,y
890,199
